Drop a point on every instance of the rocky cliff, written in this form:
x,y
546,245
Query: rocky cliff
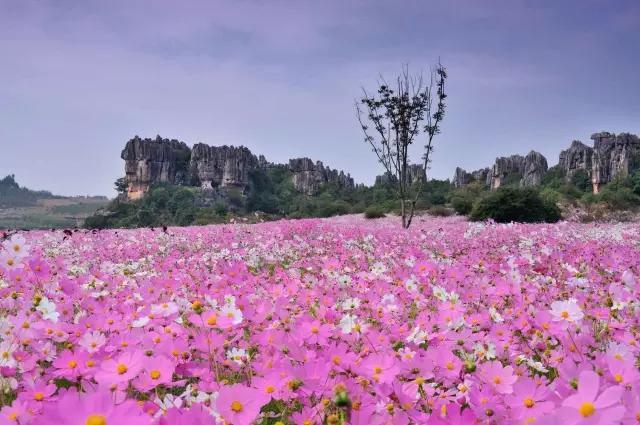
x,y
527,169
611,156
221,166
307,176
151,161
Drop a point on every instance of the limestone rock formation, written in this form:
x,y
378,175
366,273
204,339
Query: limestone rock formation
x,y
506,166
535,166
528,169
221,166
577,157
613,156
307,176
149,161
462,178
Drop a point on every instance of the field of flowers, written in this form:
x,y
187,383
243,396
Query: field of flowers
x,y
338,321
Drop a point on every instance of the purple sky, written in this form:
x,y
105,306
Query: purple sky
x,y
79,78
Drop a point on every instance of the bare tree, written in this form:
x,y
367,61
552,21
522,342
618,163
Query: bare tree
x,y
394,118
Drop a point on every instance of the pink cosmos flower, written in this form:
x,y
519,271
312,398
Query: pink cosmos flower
x,y
239,404
566,311
587,407
121,369
157,370
499,377
95,408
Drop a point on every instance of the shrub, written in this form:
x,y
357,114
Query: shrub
x,y
440,211
374,211
462,204
515,204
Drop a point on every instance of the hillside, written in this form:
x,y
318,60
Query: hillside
x,y
23,208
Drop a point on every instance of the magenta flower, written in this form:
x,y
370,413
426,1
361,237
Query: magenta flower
x,y
589,407
121,369
499,377
239,404
95,408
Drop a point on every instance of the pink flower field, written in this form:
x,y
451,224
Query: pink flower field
x,y
337,321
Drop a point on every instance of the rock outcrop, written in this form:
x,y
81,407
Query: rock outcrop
x,y
415,173
221,166
578,157
611,156
527,169
152,161
149,161
462,177
535,166
309,176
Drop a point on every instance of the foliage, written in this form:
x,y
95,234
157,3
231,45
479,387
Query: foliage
x,y
509,204
393,119
13,195
373,212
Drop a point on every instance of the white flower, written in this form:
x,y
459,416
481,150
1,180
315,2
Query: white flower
x,y
232,313
48,310
92,341
6,354
167,403
389,302
10,261
417,336
568,311
141,322
344,280
411,285
439,292
164,309
17,246
495,316
350,304
348,323
238,355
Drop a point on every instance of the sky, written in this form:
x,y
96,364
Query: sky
x,y
80,78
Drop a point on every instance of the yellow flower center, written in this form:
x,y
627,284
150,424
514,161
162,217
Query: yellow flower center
x,y
450,365
377,369
212,320
529,402
94,419
315,330
236,406
72,364
336,360
497,380
38,396
565,314
587,409
154,374
269,389
121,368
618,378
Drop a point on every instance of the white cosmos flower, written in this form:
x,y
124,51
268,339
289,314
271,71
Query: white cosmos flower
x,y
164,309
141,322
568,311
417,336
495,316
233,313
48,310
348,323
238,355
350,304
17,246
92,341
6,354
